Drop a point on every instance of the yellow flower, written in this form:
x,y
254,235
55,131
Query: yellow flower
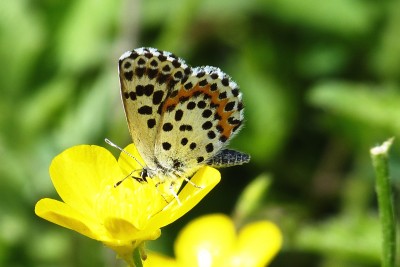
x,y
211,241
121,217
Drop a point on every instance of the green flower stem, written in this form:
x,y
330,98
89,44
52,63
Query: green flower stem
x,y
137,259
380,157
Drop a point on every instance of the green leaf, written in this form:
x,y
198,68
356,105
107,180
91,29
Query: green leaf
x,y
377,106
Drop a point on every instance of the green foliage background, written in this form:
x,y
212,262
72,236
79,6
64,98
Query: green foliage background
x,y
321,86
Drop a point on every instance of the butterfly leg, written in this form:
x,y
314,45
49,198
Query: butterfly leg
x,y
190,182
173,193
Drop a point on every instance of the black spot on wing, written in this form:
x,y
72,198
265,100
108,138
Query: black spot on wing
x,y
230,106
178,115
157,97
151,123
184,141
167,127
145,110
166,146
207,125
148,89
128,75
193,146
206,113
191,105
185,127
209,148
225,81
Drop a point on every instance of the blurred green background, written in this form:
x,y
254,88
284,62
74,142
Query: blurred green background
x,y
321,85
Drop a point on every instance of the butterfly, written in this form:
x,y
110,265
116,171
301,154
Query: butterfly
x,y
180,118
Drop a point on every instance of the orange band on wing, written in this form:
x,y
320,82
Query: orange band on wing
x,y
223,122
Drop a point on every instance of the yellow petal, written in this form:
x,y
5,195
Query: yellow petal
x,y
124,231
257,244
80,172
59,213
132,162
189,196
121,217
130,201
205,241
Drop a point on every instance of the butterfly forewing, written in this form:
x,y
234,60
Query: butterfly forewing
x,y
146,78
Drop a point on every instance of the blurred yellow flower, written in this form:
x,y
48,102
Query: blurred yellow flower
x,y
212,241
121,217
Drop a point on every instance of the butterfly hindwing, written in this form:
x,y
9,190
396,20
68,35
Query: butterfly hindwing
x,y
198,119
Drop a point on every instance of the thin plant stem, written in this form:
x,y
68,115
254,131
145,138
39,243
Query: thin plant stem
x,y
137,259
380,161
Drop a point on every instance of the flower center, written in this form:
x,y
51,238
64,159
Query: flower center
x,y
129,206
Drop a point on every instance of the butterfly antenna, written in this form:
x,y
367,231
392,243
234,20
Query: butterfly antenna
x,y
123,150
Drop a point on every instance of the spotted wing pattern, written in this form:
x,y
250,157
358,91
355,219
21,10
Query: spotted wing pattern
x,y
180,118
199,117
147,76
